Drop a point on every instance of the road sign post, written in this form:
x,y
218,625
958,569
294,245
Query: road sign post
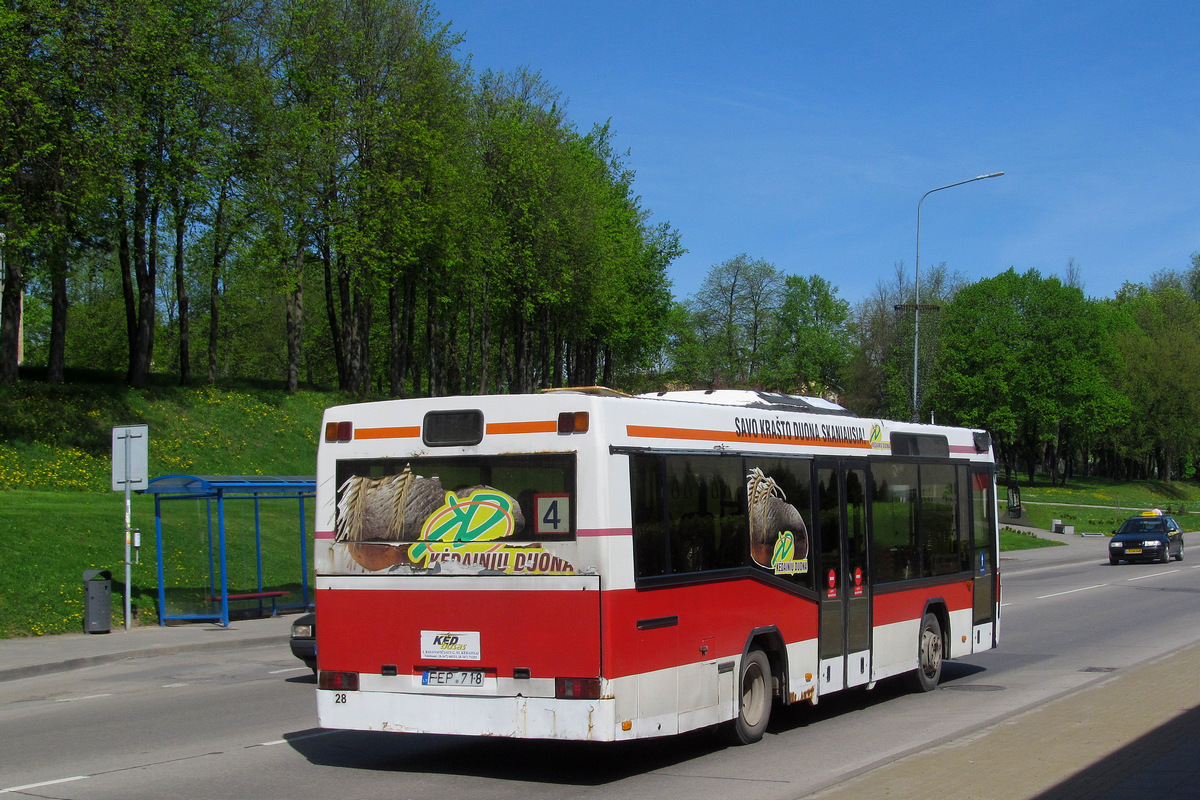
x,y
130,470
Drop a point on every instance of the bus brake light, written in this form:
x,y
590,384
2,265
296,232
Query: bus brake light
x,y
338,681
577,688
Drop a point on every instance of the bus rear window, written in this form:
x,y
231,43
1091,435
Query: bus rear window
x,y
471,499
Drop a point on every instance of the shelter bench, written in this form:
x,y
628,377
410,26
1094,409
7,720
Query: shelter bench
x,y
259,596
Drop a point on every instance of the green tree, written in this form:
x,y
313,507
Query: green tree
x,y
50,57
809,345
1160,377
1028,359
733,311
261,147
879,378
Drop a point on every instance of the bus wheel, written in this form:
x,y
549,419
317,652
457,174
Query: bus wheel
x,y
930,649
755,696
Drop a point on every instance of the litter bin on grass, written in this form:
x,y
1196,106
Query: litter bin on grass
x,y
97,601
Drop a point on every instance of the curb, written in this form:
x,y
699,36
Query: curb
x,y
66,665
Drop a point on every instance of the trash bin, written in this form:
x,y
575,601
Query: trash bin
x,y
97,601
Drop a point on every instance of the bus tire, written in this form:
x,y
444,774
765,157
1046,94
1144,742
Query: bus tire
x,y
930,651
755,698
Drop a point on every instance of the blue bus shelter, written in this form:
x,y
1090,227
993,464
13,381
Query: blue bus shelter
x,y
216,491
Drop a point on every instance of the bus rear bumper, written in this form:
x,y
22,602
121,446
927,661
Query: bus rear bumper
x,y
512,717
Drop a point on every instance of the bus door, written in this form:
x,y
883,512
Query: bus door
x,y
983,534
844,645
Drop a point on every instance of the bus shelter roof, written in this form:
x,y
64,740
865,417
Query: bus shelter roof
x,y
216,485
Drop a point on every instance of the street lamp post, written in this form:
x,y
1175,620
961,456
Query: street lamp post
x,y
917,295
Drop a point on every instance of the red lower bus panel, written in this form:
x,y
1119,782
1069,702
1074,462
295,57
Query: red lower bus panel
x,y
550,633
654,629
898,606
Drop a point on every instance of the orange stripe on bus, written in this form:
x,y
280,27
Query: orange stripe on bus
x,y
537,426
407,432
691,434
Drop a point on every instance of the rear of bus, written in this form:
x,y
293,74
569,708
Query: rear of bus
x,y
458,589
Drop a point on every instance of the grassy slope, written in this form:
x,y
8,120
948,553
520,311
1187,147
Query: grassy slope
x,y
58,516
1100,505
1015,540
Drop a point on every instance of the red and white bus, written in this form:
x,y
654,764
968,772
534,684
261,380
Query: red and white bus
x,y
581,564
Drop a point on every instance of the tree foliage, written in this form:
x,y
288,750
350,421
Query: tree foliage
x,y
750,325
325,192
326,178
1029,359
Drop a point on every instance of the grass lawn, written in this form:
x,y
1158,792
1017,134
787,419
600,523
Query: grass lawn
x,y
1100,505
1019,540
59,517
53,537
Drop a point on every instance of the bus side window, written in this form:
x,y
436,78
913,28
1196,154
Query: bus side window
x,y
687,514
649,515
893,521
650,549
692,542
938,528
704,507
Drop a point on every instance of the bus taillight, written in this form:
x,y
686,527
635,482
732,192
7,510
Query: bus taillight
x,y
577,688
573,422
339,431
338,681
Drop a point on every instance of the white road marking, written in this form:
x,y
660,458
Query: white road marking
x,y
289,669
173,685
1152,575
39,785
1072,591
293,739
89,697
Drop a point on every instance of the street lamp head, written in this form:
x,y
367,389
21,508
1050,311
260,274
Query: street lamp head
x,y
990,175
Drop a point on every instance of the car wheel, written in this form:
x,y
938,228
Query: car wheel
x,y
1165,558
1114,560
1180,554
930,650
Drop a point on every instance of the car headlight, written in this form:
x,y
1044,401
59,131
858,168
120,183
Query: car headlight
x,y
1152,543
302,631
1116,544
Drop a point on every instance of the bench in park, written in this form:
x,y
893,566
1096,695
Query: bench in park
x,y
259,596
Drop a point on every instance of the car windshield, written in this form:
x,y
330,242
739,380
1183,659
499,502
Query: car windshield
x,y
1144,526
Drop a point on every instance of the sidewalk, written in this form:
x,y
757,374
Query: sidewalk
x,y
1134,736
23,658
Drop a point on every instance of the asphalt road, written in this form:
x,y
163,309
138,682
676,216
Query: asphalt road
x,y
242,723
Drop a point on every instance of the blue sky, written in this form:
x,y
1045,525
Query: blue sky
x,y
804,133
